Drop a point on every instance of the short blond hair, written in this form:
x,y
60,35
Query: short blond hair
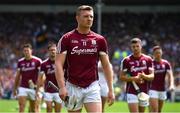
x,y
83,8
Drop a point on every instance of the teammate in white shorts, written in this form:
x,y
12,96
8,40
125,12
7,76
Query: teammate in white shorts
x,y
103,85
136,67
26,76
47,73
162,69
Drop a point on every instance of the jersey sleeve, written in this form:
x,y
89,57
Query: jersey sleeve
x,y
103,48
150,65
39,64
18,66
42,69
124,65
63,44
168,66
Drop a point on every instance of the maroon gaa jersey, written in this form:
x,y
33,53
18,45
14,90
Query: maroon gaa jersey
x,y
29,70
133,66
160,70
83,52
48,68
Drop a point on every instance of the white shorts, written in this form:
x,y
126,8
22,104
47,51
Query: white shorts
x,y
52,97
30,93
103,89
78,96
161,95
132,98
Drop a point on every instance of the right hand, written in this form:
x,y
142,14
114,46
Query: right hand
x,y
14,92
63,93
138,79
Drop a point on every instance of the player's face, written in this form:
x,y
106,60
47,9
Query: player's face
x,y
85,18
52,51
27,52
136,48
157,53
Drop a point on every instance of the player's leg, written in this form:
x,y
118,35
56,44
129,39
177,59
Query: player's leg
x,y
154,106
133,107
22,103
58,102
32,105
133,103
104,99
76,111
162,98
161,102
49,106
57,107
48,98
92,98
141,109
22,97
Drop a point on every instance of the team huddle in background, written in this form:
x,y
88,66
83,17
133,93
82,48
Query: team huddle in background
x,y
73,66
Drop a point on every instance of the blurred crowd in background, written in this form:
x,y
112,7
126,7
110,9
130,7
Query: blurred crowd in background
x,y
40,28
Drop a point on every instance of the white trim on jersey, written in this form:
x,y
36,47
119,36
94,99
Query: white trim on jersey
x,y
102,53
59,45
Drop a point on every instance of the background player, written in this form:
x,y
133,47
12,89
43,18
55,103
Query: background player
x,y
136,67
103,85
48,74
162,69
82,48
28,69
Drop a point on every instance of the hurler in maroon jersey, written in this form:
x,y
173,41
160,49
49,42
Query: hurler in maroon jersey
x,y
82,49
137,67
26,75
162,69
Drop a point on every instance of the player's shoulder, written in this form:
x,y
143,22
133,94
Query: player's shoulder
x,y
127,58
165,61
45,61
21,59
68,34
147,57
96,35
36,58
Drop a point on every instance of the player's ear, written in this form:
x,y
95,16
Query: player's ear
x,y
77,18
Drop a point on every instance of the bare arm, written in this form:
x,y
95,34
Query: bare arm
x,y
148,77
59,74
171,79
16,83
40,81
107,68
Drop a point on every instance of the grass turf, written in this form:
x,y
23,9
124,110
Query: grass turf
x,y
12,106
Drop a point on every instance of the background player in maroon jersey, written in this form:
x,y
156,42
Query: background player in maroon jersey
x,y
82,48
136,67
28,69
48,74
162,69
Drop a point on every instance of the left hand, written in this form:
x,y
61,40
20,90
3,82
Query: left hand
x,y
171,87
111,98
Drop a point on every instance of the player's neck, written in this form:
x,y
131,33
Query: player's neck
x,y
157,59
52,58
82,30
28,57
137,55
